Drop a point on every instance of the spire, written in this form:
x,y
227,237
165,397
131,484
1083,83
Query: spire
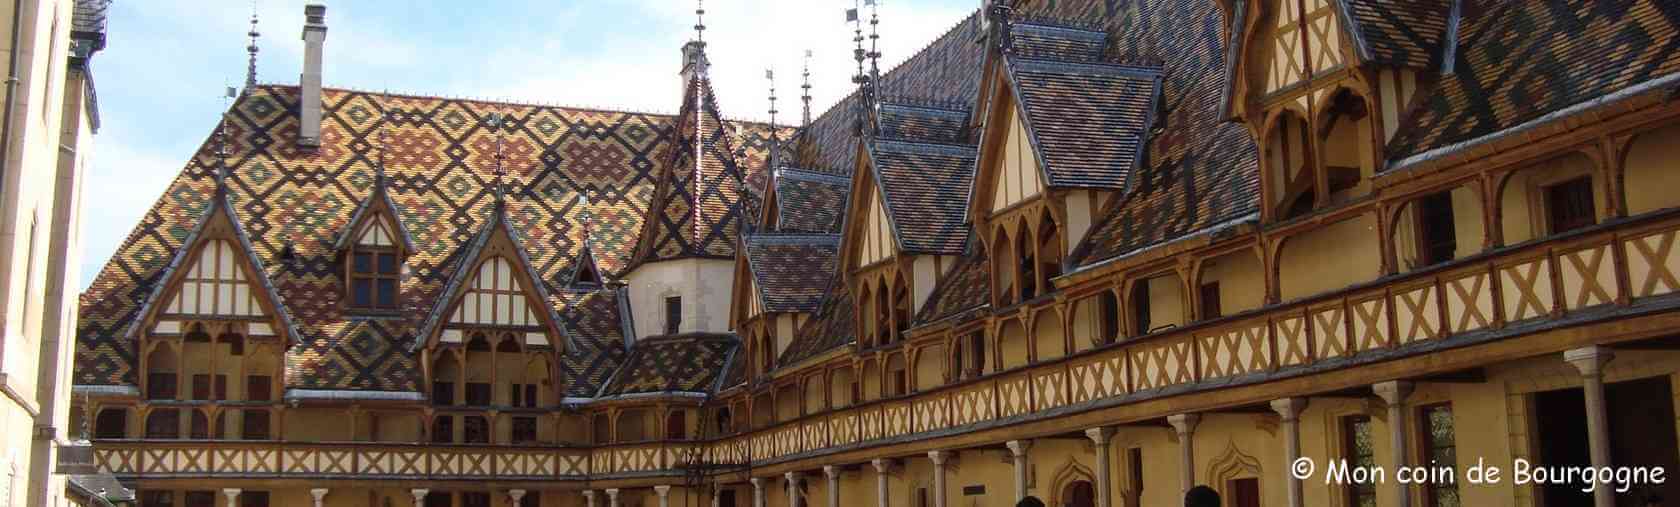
x,y
221,174
805,120
251,66
694,52
865,98
700,21
770,75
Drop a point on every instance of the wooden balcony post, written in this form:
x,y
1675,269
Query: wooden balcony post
x,y
612,497
792,479
881,468
758,491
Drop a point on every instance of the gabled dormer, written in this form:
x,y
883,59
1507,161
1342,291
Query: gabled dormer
x,y
585,273
1064,132
374,247
781,279
215,276
493,289
1324,84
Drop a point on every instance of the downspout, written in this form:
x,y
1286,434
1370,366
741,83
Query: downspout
x,y
11,92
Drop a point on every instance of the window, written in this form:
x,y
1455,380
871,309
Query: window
x,y
439,499
977,352
253,498
163,423
1357,450
1569,205
200,427
259,388
201,499
676,425
111,423
673,314
1440,450
157,499
1134,456
475,430
443,429
1108,313
160,386
475,499
531,499
201,387
478,394
1210,301
235,343
524,429
602,427
443,393
1245,492
373,277
1140,308
255,425
523,395
1437,239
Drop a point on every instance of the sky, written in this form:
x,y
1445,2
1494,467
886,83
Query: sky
x,y
162,77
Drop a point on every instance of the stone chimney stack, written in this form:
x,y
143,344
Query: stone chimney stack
x,y
314,34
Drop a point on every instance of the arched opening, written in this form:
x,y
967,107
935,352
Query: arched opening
x,y
531,389
1049,252
930,367
1288,166
1048,340
724,421
1649,174
163,423
900,306
1230,283
111,423
898,377
1329,258
446,377
1551,197
871,381
1156,304
883,313
633,425
787,403
1003,267
866,308
475,429
676,424
1347,150
1096,321
162,373
763,411
1079,494
1026,263
481,362
601,427
1012,344
842,387
1437,228
814,394
767,351
199,429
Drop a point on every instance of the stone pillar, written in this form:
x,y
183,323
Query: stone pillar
x,y
1590,361
1018,455
664,493
420,497
320,495
939,458
881,468
758,491
1394,393
232,496
833,473
515,495
1290,410
1105,482
717,491
792,479
612,497
1185,426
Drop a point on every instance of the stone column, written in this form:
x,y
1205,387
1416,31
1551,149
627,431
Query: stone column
x,y
320,495
1018,455
1185,425
1590,361
758,491
515,495
792,479
1290,410
717,491
420,496
833,473
664,493
1394,393
1105,483
939,458
232,496
881,468
612,497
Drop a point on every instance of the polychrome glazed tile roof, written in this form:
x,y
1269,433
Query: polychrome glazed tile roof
x,y
1406,33
595,321
832,327
966,286
1518,61
675,363
810,201
1051,40
926,193
1087,121
907,121
792,271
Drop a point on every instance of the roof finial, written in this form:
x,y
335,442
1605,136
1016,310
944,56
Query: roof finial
x,y
700,20
251,67
495,121
770,75
865,101
874,41
222,169
379,165
805,121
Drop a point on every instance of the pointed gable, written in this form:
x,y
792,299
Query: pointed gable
x,y
215,276
494,285
585,273
1086,122
924,186
873,234
374,223
700,203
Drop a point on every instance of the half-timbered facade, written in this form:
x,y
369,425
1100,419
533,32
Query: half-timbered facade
x,y
1094,252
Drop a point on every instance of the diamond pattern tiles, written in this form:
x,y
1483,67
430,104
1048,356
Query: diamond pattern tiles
x,y
830,328
1518,61
439,160
792,271
595,322
1088,121
926,189
965,287
809,201
687,363
1200,170
1047,40
1400,32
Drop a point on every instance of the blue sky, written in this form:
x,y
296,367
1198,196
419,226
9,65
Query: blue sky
x,y
161,78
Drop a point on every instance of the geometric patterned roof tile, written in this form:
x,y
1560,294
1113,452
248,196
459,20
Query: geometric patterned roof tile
x,y
792,271
1088,122
676,363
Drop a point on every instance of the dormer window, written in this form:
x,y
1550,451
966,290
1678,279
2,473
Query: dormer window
x,y
374,269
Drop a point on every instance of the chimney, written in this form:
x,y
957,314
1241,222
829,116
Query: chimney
x,y
314,34
695,62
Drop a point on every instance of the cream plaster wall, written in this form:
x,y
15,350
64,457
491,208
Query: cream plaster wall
x,y
703,284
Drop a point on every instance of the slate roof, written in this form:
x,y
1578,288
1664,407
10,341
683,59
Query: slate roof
x,y
1053,40
674,363
925,186
792,271
1401,33
1088,122
933,123
966,286
831,327
810,201
1519,61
